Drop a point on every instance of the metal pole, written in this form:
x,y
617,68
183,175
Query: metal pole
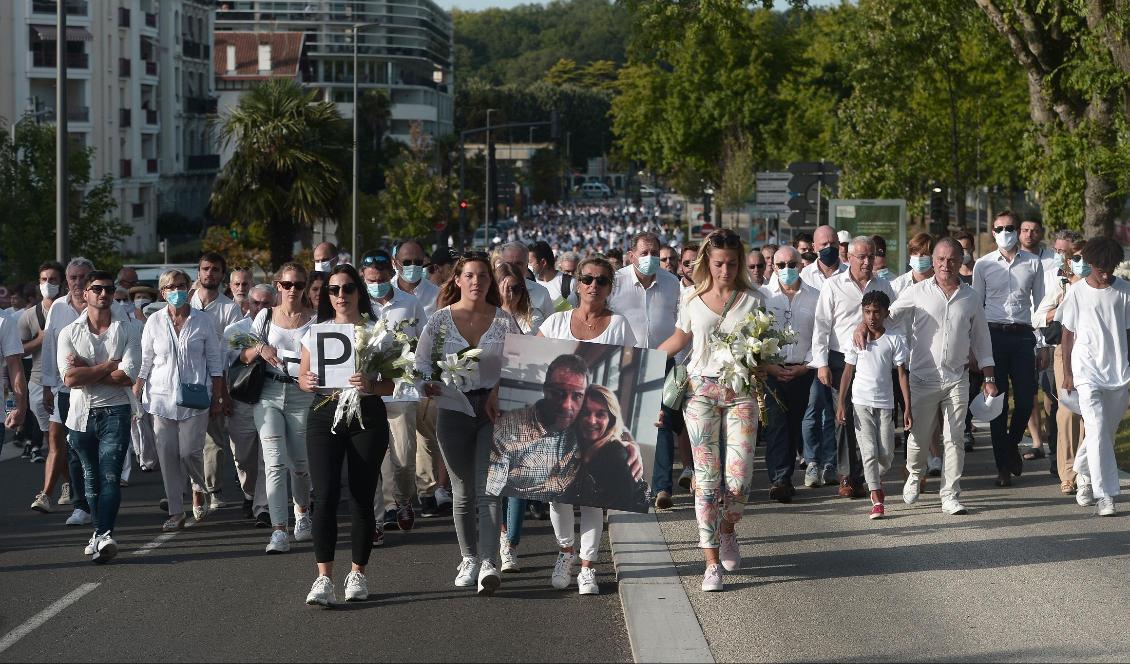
x,y
486,206
61,179
462,210
356,107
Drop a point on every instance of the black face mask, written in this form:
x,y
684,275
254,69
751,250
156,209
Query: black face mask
x,y
830,255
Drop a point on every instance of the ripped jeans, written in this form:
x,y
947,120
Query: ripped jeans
x,y
721,492
101,449
280,417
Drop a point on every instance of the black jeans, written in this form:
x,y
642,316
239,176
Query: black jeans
x,y
1015,371
849,461
365,449
784,425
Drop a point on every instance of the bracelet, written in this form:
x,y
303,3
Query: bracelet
x,y
990,379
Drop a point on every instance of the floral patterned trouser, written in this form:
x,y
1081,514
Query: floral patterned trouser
x,y
707,407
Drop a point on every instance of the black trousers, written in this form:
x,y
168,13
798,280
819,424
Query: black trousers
x,y
365,448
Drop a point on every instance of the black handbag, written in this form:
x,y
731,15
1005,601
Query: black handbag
x,y
245,381
1053,333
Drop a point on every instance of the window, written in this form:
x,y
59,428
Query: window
x,y
231,58
264,57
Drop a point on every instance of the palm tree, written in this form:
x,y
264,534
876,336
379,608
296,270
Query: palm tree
x,y
289,165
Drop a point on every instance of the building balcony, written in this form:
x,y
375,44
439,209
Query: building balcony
x,y
50,7
124,68
78,114
150,117
152,166
150,68
125,117
125,168
200,105
48,59
191,49
203,162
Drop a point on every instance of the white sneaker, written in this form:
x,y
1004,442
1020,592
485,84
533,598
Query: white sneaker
x,y
712,579
356,587
1084,494
729,551
586,582
442,496
322,593
41,503
79,518
508,555
279,543
952,507
468,572
65,494
1106,507
90,546
489,579
912,489
199,512
216,503
562,570
812,475
304,529
105,548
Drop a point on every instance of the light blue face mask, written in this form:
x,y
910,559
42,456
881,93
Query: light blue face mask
x,y
1059,261
920,264
883,273
177,298
379,291
412,273
788,276
647,265
1080,267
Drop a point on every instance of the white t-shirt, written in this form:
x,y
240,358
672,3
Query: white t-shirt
x,y
872,384
287,343
10,345
1099,318
618,332
696,319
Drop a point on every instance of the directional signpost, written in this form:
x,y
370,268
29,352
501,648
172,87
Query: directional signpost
x,y
806,188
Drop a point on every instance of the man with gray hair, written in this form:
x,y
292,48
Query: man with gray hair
x,y
838,312
518,255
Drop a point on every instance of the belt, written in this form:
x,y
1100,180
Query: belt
x,y
479,392
1010,327
279,378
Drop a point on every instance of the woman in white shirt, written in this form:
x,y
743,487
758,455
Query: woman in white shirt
x,y
280,414
722,287
469,314
592,321
179,346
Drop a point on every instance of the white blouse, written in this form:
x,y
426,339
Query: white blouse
x,y
441,325
286,342
200,359
618,332
697,319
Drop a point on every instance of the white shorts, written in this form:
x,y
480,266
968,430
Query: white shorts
x,y
35,405
55,417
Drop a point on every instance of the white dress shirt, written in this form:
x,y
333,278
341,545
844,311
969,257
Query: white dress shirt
x,y
490,362
651,311
61,314
812,275
798,314
839,312
122,340
402,307
223,310
1010,290
10,345
944,332
905,281
193,357
554,286
425,291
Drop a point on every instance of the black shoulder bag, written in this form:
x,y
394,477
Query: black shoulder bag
x,y
245,381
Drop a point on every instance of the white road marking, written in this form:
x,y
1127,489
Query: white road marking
x,y
43,616
161,539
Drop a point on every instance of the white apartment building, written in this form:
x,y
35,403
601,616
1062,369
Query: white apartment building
x,y
138,92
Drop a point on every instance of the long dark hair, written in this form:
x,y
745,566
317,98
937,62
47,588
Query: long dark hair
x,y
522,307
450,293
326,310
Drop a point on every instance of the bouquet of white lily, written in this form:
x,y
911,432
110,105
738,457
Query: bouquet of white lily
x,y
378,349
746,350
459,369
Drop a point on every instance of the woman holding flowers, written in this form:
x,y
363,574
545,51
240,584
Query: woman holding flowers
x,y
461,349
361,435
282,409
720,303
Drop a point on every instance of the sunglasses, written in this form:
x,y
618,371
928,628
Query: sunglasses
x,y
756,266
287,285
790,264
98,289
420,262
376,260
669,259
1003,229
348,289
728,239
688,263
587,279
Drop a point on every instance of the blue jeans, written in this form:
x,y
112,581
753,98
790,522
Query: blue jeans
x,y
665,450
101,449
819,427
1015,360
783,425
74,466
515,513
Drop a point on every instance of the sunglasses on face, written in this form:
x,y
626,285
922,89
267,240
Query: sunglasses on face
x,y
756,266
287,285
669,259
348,289
727,239
414,261
98,289
587,279
1003,229
688,263
376,261
790,264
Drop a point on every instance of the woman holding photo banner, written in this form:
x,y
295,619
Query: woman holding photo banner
x,y
722,298
593,321
469,316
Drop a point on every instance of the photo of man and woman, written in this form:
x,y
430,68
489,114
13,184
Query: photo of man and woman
x,y
577,423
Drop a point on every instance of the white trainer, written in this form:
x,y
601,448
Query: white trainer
x,y
489,580
104,549
90,546
586,582
1084,495
562,570
712,579
729,551
199,512
356,587
279,543
79,518
468,572
65,494
1106,507
508,555
303,528
216,503
322,593
952,507
41,503
912,489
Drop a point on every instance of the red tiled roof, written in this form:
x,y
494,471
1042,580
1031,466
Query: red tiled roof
x,y
286,51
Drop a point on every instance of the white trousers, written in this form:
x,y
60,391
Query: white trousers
x,y
592,527
928,401
1102,411
180,447
397,483
248,455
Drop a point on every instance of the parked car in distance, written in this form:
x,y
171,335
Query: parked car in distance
x,y
595,190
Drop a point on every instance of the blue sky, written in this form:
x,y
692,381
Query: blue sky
x,y
483,4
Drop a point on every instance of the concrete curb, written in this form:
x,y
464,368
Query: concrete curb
x,y
662,625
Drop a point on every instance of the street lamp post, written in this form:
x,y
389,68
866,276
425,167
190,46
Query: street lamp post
x,y
486,210
357,27
61,132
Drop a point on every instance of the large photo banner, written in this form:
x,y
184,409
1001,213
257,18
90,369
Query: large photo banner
x,y
577,424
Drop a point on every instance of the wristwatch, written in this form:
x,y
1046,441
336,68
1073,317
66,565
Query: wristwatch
x,y
990,379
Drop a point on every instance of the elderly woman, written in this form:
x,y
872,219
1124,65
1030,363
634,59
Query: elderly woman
x,y
179,347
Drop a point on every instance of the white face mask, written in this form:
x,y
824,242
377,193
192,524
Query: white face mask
x,y
142,302
323,266
1005,240
48,290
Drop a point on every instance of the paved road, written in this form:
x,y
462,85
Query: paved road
x,y
211,594
1026,576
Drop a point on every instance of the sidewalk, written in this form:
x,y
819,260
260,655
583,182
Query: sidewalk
x,y
1026,575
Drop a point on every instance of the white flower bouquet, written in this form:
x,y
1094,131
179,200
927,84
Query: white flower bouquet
x,y
745,351
381,349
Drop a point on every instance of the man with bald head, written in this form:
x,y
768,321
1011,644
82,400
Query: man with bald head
x,y
828,264
325,257
838,312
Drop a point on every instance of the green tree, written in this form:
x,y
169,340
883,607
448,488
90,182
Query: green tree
x,y
288,169
27,196
738,176
416,197
376,149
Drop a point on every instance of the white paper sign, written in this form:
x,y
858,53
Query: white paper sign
x,y
331,354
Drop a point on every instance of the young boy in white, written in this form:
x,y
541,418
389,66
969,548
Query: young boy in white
x,y
873,395
1096,316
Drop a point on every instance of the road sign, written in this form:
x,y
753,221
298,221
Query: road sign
x,y
884,217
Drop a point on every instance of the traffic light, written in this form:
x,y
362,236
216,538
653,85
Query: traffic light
x,y
463,204
234,234
939,214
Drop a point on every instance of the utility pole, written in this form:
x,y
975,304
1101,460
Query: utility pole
x,y
61,179
357,27
487,210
